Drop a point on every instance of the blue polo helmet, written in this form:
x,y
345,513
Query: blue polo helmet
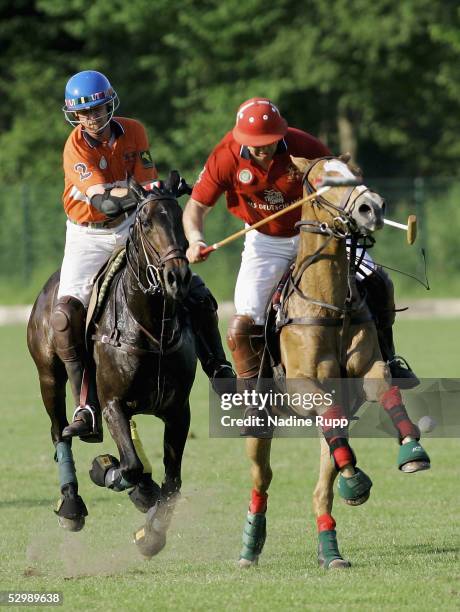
x,y
86,90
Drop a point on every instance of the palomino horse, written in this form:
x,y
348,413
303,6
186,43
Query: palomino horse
x,y
143,340
327,333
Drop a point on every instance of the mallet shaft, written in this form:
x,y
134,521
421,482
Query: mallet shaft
x,y
206,250
395,224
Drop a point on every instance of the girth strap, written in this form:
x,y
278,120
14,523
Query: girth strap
x,y
323,321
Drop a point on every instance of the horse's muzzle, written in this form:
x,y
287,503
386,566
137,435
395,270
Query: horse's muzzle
x,y
177,276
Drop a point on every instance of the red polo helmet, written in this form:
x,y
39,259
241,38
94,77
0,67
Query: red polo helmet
x,y
258,123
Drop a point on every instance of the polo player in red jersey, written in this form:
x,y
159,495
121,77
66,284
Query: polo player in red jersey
x,y
252,165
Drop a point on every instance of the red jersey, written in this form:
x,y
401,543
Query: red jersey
x,y
88,162
254,193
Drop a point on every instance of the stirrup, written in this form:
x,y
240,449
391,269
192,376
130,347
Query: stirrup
x,y
94,433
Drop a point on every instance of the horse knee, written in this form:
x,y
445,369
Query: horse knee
x,y
68,324
246,341
376,381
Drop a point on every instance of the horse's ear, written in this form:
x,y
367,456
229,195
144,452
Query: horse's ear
x,y
136,189
301,163
177,185
172,182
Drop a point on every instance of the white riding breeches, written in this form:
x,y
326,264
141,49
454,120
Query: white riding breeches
x,y
86,251
263,262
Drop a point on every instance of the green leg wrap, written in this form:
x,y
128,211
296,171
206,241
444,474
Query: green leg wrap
x,y
413,451
254,534
328,551
66,464
355,490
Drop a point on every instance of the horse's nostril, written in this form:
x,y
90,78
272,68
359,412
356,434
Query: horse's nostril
x,y
364,209
171,278
187,276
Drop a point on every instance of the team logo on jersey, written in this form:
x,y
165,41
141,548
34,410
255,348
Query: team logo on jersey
x,y
245,176
82,170
293,173
146,159
102,163
273,196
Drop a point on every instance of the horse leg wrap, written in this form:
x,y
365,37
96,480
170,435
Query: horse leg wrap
x,y
355,489
410,452
258,502
105,472
335,430
254,534
393,404
341,452
328,550
66,464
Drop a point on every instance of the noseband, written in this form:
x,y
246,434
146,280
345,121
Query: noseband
x,y
154,260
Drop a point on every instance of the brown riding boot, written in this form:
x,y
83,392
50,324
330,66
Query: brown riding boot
x,y
380,299
68,323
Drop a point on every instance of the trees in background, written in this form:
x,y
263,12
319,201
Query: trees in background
x,y
378,77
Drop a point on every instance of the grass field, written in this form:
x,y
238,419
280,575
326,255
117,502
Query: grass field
x,y
403,543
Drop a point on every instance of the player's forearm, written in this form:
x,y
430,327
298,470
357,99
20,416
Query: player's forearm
x,y
193,220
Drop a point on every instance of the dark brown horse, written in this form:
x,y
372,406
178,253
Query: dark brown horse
x,y
144,356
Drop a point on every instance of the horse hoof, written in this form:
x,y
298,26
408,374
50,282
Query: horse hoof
x,y
339,564
149,542
415,466
358,501
75,524
245,563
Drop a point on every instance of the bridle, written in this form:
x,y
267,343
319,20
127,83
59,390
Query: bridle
x,y
139,247
343,225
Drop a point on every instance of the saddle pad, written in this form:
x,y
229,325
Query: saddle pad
x,y
102,283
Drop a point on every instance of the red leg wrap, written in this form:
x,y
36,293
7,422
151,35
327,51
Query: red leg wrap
x,y
258,502
391,398
342,456
392,402
334,412
325,522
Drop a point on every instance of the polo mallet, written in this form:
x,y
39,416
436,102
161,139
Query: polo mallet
x,y
326,184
